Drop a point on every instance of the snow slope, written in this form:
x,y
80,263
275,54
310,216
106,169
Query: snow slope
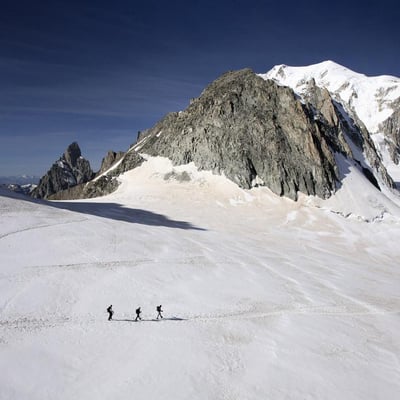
x,y
264,298
369,98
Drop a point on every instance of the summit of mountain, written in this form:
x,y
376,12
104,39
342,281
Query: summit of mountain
x,y
69,170
293,130
373,102
256,131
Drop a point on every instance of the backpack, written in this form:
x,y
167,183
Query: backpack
x,y
138,310
159,308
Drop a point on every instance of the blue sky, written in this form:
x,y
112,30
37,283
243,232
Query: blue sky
x,y
97,72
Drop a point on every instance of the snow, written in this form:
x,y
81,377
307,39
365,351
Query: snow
x,y
358,199
369,97
392,168
266,298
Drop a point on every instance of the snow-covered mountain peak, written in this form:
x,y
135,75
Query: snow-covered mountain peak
x,y
327,73
372,101
325,69
368,98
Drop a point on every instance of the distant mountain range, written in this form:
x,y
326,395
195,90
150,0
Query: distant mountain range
x,y
289,130
20,184
19,180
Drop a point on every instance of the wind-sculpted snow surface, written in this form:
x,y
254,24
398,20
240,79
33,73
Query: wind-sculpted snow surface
x,y
263,297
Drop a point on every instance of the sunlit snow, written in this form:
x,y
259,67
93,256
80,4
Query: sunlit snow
x,y
263,297
370,97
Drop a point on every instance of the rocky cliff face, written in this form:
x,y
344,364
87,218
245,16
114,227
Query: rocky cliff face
x,y
251,129
95,188
372,102
70,170
110,159
256,132
345,134
105,182
391,130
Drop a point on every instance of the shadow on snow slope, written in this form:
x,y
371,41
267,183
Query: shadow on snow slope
x,y
113,211
150,320
120,213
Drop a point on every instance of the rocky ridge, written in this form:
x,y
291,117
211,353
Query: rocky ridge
x,y
69,170
105,182
109,160
391,129
373,102
256,131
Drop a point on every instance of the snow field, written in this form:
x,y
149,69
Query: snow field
x,y
263,297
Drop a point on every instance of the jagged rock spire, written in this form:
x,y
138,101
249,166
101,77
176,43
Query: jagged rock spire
x,y
69,170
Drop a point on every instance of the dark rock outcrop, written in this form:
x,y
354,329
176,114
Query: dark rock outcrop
x,y
96,188
252,130
256,132
343,133
70,170
111,158
104,183
130,161
391,129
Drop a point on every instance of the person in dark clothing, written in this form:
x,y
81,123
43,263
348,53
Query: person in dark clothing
x,y
159,311
138,312
110,312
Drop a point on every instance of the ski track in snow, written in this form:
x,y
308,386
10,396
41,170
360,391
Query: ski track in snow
x,y
347,305
31,228
33,324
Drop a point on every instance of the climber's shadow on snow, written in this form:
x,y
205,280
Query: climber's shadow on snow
x,y
151,320
118,212
164,319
